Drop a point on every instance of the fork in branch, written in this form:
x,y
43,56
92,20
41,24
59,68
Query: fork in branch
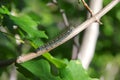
x,y
89,9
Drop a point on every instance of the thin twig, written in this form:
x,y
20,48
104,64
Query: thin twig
x,y
13,73
74,32
76,46
63,13
64,17
90,10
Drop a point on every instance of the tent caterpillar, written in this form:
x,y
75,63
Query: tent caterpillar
x,y
55,41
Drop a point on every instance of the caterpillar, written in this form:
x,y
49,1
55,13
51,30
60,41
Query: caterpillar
x,y
49,45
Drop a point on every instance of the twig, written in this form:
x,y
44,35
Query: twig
x,y
64,17
63,13
90,10
76,46
13,73
74,32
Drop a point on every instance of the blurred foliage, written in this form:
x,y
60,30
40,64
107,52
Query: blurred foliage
x,y
72,71
37,22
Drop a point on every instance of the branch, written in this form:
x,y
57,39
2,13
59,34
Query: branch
x,y
68,35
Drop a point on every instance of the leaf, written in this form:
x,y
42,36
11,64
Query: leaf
x,y
29,26
58,63
74,71
4,10
40,70
37,69
35,17
36,43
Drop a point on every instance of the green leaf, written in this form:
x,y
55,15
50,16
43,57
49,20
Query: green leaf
x,y
74,71
36,43
58,63
4,10
35,17
29,26
40,70
37,69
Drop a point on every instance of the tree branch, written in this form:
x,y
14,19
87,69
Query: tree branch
x,y
68,35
